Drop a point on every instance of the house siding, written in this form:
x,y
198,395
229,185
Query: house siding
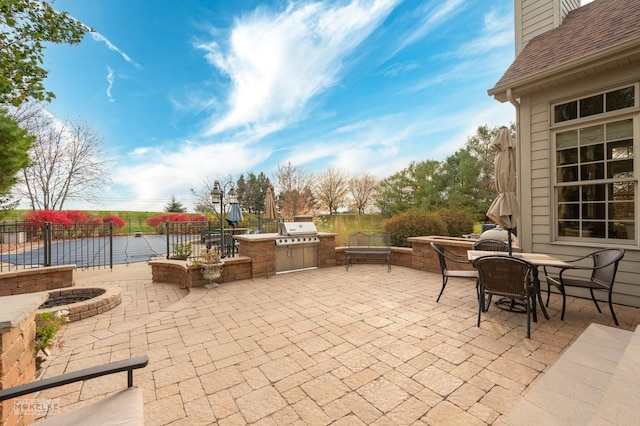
x,y
534,17
536,186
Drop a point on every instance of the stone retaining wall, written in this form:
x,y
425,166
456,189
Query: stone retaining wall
x,y
188,275
24,281
17,350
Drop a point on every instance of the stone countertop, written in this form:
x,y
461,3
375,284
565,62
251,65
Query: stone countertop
x,y
17,308
271,237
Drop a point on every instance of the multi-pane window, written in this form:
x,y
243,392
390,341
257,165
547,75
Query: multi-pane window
x,y
596,184
592,105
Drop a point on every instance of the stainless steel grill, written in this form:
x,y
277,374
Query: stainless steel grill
x,y
290,233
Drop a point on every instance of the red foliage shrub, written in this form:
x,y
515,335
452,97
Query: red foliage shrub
x,y
117,221
37,218
160,220
76,216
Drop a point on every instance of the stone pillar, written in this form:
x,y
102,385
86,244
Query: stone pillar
x,y
17,349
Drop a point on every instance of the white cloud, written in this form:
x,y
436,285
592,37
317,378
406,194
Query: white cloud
x,y
433,14
277,63
99,37
150,173
110,82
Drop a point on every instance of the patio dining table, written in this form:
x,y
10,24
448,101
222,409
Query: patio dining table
x,y
536,259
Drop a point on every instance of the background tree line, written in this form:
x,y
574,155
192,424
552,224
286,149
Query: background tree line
x,y
464,181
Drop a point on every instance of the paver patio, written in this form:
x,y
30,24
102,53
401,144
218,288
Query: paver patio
x,y
324,346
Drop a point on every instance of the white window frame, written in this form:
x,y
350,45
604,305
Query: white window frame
x,y
585,122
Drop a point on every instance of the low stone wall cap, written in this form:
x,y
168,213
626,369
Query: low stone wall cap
x,y
17,308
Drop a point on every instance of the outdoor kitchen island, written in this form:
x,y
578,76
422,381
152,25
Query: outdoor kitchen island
x,y
297,246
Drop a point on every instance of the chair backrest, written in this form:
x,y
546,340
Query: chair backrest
x,y
606,263
505,275
491,245
441,257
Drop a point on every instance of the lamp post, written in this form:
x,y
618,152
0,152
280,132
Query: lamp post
x,y
217,196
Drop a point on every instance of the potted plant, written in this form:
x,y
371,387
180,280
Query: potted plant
x,y
211,266
181,251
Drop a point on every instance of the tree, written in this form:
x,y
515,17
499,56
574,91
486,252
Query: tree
x,y
67,163
251,193
464,180
398,193
479,145
14,148
175,206
294,190
332,189
26,26
362,189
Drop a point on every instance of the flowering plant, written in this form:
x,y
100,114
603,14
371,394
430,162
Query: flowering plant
x,y
209,257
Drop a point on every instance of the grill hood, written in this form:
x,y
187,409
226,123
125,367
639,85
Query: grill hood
x,y
293,229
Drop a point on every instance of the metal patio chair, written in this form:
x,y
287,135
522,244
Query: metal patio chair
x,y
444,256
603,274
507,277
491,245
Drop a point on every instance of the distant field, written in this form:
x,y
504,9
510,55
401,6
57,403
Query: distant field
x,y
136,221
344,224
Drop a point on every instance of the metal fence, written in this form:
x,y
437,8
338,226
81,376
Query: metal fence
x,y
197,237
28,245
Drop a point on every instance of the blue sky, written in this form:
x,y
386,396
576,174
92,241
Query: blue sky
x,y
188,91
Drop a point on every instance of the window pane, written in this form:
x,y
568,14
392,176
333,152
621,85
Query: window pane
x,y
569,229
591,153
568,193
592,105
569,211
592,135
622,98
567,156
593,193
621,211
594,211
619,231
631,230
567,139
620,169
594,229
619,130
592,171
568,174
620,191
620,150
565,112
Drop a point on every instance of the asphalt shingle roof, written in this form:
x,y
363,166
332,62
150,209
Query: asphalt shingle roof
x,y
586,31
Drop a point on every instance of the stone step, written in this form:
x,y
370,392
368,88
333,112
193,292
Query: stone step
x,y
620,404
570,391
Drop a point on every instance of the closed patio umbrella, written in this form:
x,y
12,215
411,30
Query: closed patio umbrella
x,y
504,210
270,212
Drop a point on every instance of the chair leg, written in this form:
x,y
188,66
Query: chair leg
x,y
528,318
548,292
593,297
480,305
444,284
615,319
564,301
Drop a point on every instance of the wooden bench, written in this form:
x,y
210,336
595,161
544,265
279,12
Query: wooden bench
x,y
368,246
123,408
